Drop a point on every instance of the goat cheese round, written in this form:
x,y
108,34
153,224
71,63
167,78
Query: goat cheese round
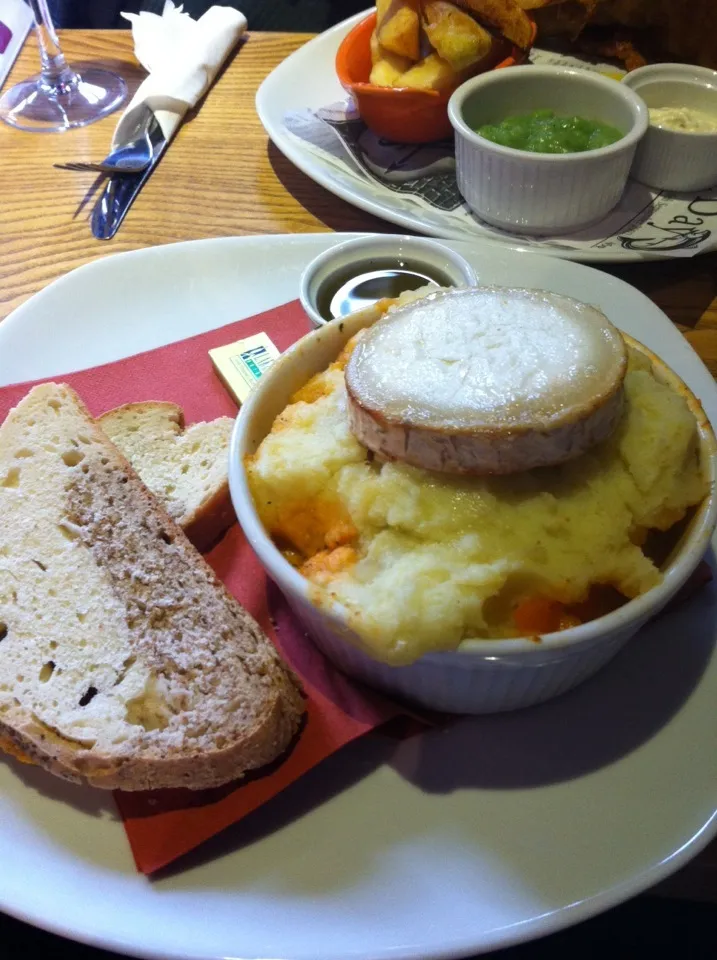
x,y
487,380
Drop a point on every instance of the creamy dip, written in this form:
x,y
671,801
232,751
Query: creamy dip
x,y
683,119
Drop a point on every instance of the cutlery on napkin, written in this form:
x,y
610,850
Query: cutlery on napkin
x,y
183,57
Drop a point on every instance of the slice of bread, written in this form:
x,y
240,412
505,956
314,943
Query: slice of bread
x,y
124,663
185,468
486,380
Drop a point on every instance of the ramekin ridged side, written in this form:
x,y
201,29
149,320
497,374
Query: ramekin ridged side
x,y
534,193
483,676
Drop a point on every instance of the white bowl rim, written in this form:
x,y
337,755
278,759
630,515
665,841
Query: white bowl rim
x,y
681,73
665,69
640,115
694,547
366,243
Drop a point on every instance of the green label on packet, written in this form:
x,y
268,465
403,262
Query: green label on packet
x,y
242,364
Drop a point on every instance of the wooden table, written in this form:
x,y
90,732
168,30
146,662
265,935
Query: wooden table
x,y
222,177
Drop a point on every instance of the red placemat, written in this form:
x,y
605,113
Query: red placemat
x,y
164,825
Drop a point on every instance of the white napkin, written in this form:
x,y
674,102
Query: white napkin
x,y
183,57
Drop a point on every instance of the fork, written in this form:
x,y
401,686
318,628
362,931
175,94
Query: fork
x,y
131,157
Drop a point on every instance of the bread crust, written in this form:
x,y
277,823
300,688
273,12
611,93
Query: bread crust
x,y
215,514
270,737
211,521
172,410
151,762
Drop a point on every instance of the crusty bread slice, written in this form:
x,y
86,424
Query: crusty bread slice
x,y
124,663
486,380
185,468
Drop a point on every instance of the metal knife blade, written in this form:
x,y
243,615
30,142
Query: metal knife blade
x,y
121,189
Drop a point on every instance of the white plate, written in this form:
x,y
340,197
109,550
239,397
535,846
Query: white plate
x,y
307,79
499,830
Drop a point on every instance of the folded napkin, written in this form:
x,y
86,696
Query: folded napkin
x,y
182,56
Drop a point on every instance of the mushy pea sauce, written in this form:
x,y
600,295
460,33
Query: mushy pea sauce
x,y
543,131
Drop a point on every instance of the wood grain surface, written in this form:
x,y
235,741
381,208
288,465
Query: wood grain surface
x,y
222,177
219,178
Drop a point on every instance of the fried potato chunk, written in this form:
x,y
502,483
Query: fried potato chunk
x,y
388,68
399,30
389,71
507,16
455,35
432,73
435,44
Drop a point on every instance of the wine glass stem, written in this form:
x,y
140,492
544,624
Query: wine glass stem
x,y
54,65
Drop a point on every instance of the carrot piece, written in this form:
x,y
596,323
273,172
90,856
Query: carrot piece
x,y
537,615
311,525
327,564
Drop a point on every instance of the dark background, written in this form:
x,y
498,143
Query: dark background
x,y
296,16
645,927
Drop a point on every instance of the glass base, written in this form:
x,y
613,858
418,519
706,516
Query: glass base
x,y
74,99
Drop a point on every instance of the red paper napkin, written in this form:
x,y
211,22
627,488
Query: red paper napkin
x,y
164,825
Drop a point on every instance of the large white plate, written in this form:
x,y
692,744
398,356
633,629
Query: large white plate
x,y
307,79
499,830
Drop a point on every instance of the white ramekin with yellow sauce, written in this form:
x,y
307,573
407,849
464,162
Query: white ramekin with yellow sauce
x,y
481,676
679,150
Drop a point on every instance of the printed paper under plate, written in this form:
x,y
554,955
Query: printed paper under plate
x,y
422,178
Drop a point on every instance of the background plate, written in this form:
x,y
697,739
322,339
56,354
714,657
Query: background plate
x,y
499,830
307,79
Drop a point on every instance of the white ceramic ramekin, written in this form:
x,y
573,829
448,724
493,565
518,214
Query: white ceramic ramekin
x,y
483,676
673,159
366,253
543,192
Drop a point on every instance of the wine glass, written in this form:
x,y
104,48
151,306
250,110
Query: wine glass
x,y
59,97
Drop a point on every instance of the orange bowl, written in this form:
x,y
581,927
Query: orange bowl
x,y
401,113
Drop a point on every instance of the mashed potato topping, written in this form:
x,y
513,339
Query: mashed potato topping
x,y
421,561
